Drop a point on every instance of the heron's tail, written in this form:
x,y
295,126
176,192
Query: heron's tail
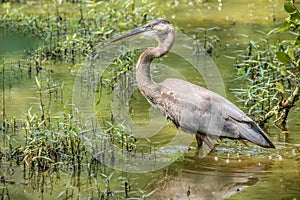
x,y
253,133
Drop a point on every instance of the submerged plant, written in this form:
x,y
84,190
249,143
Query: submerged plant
x,y
209,42
52,142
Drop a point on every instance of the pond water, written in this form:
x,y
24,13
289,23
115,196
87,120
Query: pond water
x,y
235,171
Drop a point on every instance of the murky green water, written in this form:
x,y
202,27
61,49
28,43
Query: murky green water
x,y
236,171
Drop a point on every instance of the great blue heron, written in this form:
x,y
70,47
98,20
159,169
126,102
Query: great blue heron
x,y
192,108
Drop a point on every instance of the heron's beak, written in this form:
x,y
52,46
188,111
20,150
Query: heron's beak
x,y
136,32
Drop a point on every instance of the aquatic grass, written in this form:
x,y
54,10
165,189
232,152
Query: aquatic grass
x,y
67,39
52,142
46,148
116,71
271,73
204,39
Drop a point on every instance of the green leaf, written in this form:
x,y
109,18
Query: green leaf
x,y
291,53
283,57
295,16
279,87
253,44
285,28
240,71
283,70
289,7
38,82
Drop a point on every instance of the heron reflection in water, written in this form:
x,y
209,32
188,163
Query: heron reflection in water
x,y
190,107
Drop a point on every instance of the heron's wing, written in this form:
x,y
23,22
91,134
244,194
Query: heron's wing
x,y
198,110
194,108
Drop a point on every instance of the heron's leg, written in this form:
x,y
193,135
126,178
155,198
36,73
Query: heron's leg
x,y
203,138
200,139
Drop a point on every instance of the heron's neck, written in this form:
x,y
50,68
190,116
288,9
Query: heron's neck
x,y
143,75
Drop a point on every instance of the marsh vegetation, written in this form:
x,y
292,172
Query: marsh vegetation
x,y
45,152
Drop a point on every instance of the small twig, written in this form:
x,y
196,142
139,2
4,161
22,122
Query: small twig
x,y
282,108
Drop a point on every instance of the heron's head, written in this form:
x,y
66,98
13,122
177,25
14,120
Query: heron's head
x,y
158,29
